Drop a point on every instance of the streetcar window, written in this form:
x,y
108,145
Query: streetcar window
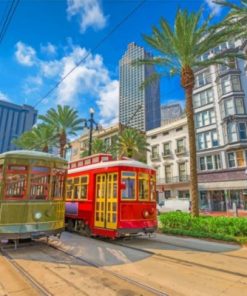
x,y
84,187
40,179
57,186
1,177
129,182
152,188
143,186
76,188
69,189
15,185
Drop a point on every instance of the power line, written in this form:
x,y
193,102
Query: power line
x,y
8,18
140,4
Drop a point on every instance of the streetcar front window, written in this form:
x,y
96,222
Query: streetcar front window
x,y
16,182
143,186
40,179
57,184
129,183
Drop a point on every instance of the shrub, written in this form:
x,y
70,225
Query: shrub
x,y
226,228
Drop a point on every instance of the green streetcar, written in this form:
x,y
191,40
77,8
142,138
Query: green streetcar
x,y
31,194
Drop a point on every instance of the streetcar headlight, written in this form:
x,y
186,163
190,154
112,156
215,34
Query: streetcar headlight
x,y
145,214
37,216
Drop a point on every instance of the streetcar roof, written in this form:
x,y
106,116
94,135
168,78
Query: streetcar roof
x,y
31,154
113,163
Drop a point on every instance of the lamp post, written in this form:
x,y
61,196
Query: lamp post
x,y
91,123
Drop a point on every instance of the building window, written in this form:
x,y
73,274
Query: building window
x,y
239,105
242,131
229,107
231,160
202,79
167,194
207,140
205,118
232,132
185,194
182,171
180,146
155,151
230,83
166,147
179,129
203,98
210,162
168,173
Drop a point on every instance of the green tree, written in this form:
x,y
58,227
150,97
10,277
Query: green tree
x,y
41,137
99,146
237,17
131,143
65,121
180,48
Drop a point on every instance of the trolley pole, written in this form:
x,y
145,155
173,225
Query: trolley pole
x,y
91,125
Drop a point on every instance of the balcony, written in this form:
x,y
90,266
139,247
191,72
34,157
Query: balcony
x,y
166,153
180,151
174,180
154,156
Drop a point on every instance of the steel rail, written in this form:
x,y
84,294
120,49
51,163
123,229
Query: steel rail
x,y
30,279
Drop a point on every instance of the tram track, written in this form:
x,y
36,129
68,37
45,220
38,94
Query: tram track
x,y
183,261
146,287
41,289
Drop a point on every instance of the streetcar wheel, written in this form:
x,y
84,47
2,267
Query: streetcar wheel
x,y
87,230
70,225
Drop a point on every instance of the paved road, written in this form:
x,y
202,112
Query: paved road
x,y
172,265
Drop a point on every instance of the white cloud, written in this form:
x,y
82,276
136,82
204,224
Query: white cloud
x,y
4,97
108,103
89,12
49,49
90,80
215,8
32,84
25,54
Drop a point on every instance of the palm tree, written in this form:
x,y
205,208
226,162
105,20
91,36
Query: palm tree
x,y
41,137
99,146
65,121
180,49
237,17
131,143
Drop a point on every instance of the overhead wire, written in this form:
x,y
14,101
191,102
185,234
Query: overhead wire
x,y
140,4
6,22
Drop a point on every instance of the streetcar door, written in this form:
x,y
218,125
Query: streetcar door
x,y
111,201
100,195
106,201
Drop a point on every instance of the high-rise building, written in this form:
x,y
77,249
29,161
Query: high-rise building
x,y
170,112
14,120
139,107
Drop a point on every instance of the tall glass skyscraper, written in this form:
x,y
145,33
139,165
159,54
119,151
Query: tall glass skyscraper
x,y
14,120
138,107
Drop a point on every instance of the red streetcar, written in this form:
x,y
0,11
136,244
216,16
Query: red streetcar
x,y
110,198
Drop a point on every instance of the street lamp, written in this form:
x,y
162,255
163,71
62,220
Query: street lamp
x,y
91,124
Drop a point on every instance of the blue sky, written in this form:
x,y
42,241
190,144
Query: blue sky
x,y
46,39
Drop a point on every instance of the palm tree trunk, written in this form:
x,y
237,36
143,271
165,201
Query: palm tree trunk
x,y
62,141
188,81
45,148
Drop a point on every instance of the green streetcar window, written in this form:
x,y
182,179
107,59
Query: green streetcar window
x,y
15,186
57,187
40,183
